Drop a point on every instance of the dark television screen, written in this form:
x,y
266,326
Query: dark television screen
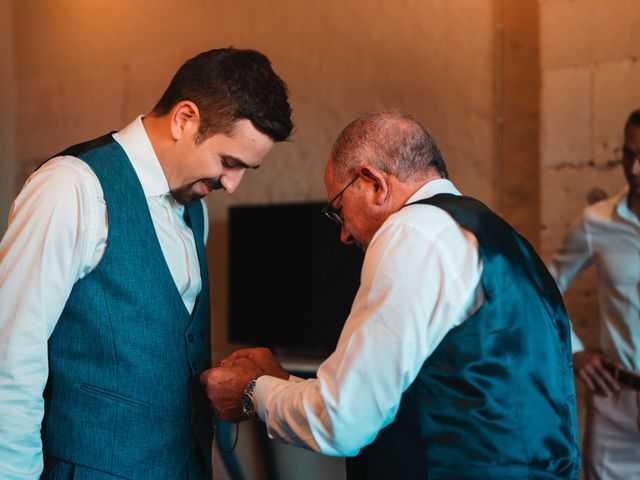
x,y
291,280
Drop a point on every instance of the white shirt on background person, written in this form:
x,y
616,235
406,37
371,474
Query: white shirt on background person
x,y
607,235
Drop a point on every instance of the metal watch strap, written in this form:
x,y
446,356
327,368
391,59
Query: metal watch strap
x,y
248,405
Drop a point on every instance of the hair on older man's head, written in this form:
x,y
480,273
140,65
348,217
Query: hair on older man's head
x,y
390,141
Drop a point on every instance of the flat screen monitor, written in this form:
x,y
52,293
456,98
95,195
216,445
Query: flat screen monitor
x,y
291,280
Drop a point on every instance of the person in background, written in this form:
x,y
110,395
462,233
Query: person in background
x,y
607,236
104,290
455,361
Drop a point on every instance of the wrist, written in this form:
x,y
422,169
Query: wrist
x,y
248,400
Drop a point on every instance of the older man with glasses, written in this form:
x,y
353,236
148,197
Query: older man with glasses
x,y
455,360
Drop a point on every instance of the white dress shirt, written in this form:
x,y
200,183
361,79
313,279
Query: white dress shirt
x,y
607,235
420,279
57,234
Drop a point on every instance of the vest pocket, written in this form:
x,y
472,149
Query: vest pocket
x,y
114,396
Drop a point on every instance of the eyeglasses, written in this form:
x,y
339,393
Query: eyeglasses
x,y
332,212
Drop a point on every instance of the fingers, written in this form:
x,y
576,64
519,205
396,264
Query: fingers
x,y
606,380
618,365
254,354
225,385
229,416
600,379
590,366
205,375
587,380
262,358
242,353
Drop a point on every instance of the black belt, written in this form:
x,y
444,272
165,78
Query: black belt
x,y
624,377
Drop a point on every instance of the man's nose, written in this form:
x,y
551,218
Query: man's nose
x,y
231,180
345,237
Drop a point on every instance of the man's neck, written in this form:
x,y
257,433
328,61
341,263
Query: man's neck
x,y
160,139
633,202
413,187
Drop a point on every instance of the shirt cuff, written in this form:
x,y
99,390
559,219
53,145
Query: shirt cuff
x,y
262,390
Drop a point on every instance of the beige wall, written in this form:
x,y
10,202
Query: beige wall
x,y
527,99
87,67
9,91
517,89
339,58
590,77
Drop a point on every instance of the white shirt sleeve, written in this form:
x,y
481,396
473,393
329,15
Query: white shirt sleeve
x,y
205,213
415,287
50,243
573,257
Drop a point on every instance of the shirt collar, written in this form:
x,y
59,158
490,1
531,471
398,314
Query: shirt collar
x,y
433,187
135,142
622,208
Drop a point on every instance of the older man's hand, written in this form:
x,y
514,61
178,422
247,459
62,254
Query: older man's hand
x,y
262,358
225,384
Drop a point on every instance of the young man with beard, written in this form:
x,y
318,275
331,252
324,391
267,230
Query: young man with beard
x,y
104,291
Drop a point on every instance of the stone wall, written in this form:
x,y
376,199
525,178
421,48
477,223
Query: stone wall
x,y
84,68
9,89
589,53
527,99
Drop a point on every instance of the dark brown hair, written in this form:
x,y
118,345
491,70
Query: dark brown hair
x,y
228,85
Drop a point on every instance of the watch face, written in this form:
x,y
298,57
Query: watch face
x,y
247,405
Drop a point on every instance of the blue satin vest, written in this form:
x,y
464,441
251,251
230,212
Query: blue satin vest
x,y
123,395
496,399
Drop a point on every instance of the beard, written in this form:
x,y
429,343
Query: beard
x,y
193,191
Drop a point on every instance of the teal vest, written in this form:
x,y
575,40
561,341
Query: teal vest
x,y
123,395
496,398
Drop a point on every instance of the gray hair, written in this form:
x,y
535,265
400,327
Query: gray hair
x,y
390,141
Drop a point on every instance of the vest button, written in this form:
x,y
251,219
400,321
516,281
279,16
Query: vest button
x,y
190,337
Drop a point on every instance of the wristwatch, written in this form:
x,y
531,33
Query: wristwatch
x,y
247,400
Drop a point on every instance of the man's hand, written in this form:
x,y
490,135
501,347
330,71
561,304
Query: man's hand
x,y
589,365
262,358
225,384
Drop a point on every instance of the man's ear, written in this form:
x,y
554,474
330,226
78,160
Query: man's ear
x,y
185,119
379,183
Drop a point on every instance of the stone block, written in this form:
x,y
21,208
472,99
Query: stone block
x,y
565,191
583,32
147,77
93,104
40,119
615,95
565,113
